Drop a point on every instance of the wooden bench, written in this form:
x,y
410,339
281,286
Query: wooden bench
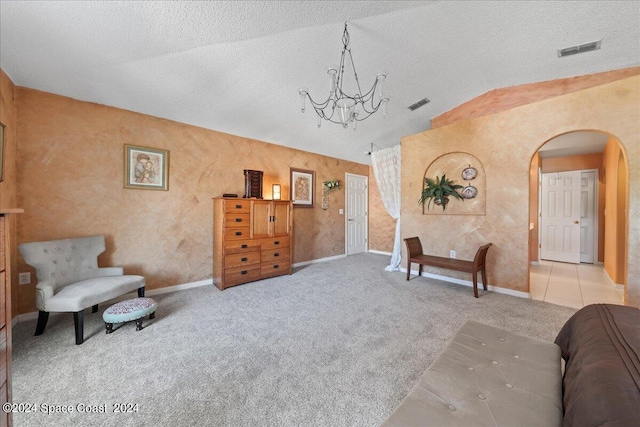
x,y
415,254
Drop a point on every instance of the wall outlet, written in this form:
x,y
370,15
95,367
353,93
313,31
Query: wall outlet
x,y
452,254
24,278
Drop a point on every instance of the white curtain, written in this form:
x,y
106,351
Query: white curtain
x,y
386,169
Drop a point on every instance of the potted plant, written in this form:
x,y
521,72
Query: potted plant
x,y
439,191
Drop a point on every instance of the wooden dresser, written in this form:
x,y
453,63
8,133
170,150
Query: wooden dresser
x,y
252,240
5,312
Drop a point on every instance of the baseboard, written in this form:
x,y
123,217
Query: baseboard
x,y
611,282
535,263
316,261
372,251
462,282
34,314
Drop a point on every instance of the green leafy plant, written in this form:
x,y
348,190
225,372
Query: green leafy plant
x,y
439,191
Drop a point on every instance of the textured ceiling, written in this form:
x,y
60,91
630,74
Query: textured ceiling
x,y
236,66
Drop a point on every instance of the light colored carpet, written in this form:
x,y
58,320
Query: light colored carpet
x,y
335,344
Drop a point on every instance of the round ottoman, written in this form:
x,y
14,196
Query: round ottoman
x,y
126,311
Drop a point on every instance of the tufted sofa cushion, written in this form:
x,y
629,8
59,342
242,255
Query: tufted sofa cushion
x,y
64,261
69,278
490,377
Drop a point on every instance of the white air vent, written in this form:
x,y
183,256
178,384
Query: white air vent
x,y
423,101
573,50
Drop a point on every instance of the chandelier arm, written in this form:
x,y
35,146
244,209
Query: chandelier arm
x,y
337,99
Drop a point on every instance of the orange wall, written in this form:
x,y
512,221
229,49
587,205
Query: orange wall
x,y
533,207
70,183
615,182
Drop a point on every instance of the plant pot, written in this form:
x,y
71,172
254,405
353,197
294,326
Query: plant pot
x,y
441,202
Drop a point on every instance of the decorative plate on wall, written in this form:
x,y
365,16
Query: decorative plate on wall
x,y
469,173
469,192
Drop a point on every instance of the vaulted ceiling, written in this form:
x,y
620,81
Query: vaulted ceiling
x,y
236,66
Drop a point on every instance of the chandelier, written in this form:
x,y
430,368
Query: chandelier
x,y
341,107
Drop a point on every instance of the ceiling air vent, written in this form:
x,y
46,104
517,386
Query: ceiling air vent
x,y
573,50
423,101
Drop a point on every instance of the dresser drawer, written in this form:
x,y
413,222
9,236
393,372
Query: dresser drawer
x,y
275,242
237,220
237,206
275,255
237,233
269,269
235,275
241,246
238,260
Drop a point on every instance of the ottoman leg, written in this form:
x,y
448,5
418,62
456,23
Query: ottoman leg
x,y
109,327
139,325
152,315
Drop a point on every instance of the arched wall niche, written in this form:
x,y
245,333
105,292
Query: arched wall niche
x,y
453,165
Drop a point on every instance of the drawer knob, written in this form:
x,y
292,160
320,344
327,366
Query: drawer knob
x,y
276,266
244,246
243,272
276,254
238,219
238,233
238,206
277,242
244,259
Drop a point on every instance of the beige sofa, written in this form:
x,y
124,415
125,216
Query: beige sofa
x,y
491,377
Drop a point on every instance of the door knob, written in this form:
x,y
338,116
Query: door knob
x,y
350,219
576,222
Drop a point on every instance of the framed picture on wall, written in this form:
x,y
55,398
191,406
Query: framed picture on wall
x,y
146,168
302,187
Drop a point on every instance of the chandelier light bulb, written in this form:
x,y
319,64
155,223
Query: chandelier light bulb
x,y
303,92
333,72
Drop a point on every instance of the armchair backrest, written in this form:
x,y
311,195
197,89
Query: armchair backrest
x,y
64,261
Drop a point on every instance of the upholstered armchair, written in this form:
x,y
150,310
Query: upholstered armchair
x,y
69,279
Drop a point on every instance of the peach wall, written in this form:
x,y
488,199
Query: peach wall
x,y
70,182
382,227
510,97
506,151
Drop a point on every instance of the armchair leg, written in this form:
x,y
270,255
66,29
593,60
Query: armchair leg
x,y
43,317
408,269
94,309
78,320
140,291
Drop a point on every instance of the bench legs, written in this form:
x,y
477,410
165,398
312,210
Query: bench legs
x,y
43,317
409,269
78,321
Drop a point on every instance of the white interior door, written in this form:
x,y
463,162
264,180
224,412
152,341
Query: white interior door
x,y
356,233
560,222
588,218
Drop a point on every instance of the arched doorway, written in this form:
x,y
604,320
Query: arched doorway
x,y
578,159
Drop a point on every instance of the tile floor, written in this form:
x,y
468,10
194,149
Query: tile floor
x,y
572,285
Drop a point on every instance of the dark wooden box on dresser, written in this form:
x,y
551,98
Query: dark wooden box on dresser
x,y
252,240
5,312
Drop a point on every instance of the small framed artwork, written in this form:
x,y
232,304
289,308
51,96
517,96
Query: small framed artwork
x,y
302,187
146,168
